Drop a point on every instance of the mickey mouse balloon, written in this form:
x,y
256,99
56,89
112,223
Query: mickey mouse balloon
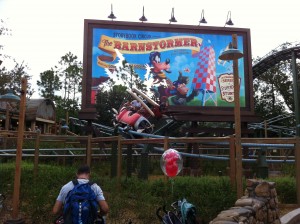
x,y
171,162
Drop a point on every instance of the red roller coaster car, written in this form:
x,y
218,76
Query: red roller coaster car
x,y
134,115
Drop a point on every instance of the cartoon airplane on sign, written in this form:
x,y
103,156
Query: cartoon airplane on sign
x,y
134,115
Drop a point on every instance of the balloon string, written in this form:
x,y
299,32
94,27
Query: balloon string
x,y
172,187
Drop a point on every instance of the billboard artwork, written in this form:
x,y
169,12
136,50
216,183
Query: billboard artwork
x,y
179,68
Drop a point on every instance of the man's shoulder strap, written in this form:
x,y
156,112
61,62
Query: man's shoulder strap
x,y
75,182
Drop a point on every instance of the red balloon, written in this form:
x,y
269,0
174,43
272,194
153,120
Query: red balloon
x,y
171,170
171,163
171,156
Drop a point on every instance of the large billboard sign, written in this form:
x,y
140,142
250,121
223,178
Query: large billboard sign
x,y
179,64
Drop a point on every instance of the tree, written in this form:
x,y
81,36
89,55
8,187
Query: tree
x,y
268,97
48,84
3,31
10,78
71,74
62,84
273,91
108,98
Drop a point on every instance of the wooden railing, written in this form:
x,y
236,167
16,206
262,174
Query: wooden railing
x,y
165,143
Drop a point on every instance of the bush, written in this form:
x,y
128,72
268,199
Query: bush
x,y
286,189
131,198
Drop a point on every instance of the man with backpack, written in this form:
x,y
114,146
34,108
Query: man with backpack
x,y
79,200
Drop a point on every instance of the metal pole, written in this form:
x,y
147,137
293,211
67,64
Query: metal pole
x,y
296,93
297,111
16,194
297,161
237,123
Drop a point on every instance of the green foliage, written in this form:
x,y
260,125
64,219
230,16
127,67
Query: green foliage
x,y
273,92
271,97
286,189
135,199
107,99
62,84
71,76
49,83
213,167
289,170
11,79
131,198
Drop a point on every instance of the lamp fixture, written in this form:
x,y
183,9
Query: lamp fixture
x,y
228,20
112,16
10,97
203,20
230,54
172,20
143,18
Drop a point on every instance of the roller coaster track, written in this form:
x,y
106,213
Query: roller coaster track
x,y
281,53
104,151
270,126
133,134
99,129
103,130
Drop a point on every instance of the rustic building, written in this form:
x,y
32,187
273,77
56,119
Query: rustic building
x,y
40,113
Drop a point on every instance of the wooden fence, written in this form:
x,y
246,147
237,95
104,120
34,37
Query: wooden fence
x,y
118,142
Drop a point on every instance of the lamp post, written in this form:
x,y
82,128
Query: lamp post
x,y
234,54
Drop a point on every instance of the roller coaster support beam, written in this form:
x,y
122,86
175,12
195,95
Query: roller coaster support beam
x,y
144,162
297,111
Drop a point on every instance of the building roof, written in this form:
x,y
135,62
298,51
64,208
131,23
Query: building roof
x,y
40,110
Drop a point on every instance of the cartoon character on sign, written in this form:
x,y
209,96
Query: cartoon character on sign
x,y
171,163
159,67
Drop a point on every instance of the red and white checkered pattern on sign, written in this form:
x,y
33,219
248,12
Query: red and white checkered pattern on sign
x,y
205,76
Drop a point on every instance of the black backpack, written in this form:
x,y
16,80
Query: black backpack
x,y
81,206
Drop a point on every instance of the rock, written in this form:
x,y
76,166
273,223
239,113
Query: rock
x,y
262,190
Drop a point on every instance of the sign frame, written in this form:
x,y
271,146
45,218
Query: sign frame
x,y
188,113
